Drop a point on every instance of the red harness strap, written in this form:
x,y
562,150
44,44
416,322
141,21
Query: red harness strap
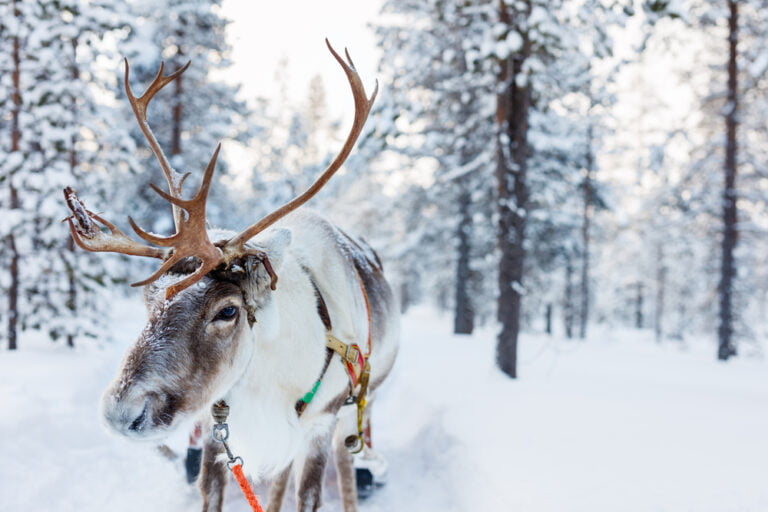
x,y
367,312
352,355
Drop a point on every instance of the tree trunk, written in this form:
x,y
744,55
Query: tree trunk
x,y
726,347
178,114
661,285
513,103
639,306
70,245
464,315
548,319
405,298
568,306
13,290
13,267
585,239
72,292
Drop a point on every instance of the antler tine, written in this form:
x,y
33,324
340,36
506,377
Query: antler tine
x,y
363,103
202,194
205,267
139,105
163,241
193,227
167,264
88,236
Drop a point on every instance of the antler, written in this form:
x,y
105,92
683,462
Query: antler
x,y
191,238
139,105
235,246
87,235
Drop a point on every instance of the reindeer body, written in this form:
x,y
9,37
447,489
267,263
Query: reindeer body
x,y
265,368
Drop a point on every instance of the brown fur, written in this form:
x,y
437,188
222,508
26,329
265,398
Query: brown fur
x,y
311,482
371,273
191,366
277,490
345,473
213,477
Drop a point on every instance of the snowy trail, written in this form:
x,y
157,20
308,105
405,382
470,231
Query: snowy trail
x,y
617,423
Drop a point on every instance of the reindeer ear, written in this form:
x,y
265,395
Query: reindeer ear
x,y
274,245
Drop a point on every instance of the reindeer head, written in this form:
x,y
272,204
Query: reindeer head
x,y
202,300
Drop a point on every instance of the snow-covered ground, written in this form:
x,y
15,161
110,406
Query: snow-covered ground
x,y
614,424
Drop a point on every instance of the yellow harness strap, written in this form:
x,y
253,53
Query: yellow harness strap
x,y
351,356
358,370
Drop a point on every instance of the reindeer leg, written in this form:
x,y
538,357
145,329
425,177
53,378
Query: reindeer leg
x,y
345,473
310,470
277,490
213,477
345,470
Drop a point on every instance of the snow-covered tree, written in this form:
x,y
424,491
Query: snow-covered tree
x,y
194,113
59,135
734,96
483,86
444,99
547,132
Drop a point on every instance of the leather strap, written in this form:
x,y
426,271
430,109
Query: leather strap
x,y
325,317
355,361
351,356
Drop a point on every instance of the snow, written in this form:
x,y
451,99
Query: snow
x,y
614,423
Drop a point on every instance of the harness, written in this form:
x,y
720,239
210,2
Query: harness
x,y
357,368
355,362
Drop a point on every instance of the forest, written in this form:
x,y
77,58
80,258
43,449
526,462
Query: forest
x,y
549,166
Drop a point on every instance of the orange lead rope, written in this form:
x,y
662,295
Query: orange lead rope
x,y
220,434
253,501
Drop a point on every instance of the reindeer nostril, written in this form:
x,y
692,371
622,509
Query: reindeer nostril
x,y
138,423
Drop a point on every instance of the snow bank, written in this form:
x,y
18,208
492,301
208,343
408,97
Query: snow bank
x,y
616,423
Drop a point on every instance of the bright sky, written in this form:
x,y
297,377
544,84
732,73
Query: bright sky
x,y
262,33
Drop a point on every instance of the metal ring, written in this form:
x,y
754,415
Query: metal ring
x,y
233,461
359,445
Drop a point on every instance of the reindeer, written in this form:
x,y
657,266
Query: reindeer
x,y
224,332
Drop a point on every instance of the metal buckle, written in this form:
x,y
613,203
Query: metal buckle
x,y
355,359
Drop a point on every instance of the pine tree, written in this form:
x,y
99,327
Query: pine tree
x,y
60,136
725,171
443,92
195,113
726,347
13,31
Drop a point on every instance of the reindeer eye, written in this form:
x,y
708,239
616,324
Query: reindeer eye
x,y
228,313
